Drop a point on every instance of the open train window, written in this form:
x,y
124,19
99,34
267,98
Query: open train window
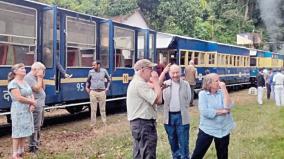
x,y
124,45
17,34
151,47
182,58
253,61
81,42
104,41
202,58
141,45
195,58
211,59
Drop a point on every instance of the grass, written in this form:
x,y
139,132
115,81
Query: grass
x,y
259,134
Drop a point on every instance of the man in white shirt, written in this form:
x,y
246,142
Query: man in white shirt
x,y
278,81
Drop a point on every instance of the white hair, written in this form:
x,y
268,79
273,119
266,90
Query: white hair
x,y
38,65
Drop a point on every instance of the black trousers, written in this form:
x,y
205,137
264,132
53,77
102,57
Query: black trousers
x,y
268,89
144,135
204,141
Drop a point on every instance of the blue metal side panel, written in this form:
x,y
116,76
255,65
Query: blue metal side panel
x,y
228,49
111,47
267,54
260,53
191,44
118,88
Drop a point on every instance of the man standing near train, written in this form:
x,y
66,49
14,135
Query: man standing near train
x,y
35,79
97,89
190,76
143,93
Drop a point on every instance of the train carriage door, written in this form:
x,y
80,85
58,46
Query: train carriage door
x,y
48,52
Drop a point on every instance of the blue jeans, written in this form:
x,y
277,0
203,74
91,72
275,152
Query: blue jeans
x,y
178,136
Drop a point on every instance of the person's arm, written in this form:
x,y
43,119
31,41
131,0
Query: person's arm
x,y
188,93
16,93
152,92
227,99
163,74
39,85
206,111
62,70
88,83
108,80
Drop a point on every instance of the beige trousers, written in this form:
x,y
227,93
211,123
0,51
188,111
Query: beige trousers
x,y
98,97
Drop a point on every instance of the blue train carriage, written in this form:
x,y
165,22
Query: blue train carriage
x,y
180,50
263,59
20,38
80,39
230,62
233,63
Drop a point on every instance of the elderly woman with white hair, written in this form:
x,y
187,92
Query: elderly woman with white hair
x,y
216,120
35,80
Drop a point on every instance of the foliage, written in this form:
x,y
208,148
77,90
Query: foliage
x,y
218,20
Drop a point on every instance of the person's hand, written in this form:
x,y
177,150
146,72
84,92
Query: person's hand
x,y
167,68
32,102
223,111
67,75
32,108
222,85
40,73
154,76
106,90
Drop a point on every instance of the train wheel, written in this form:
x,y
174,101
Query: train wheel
x,y
75,109
122,104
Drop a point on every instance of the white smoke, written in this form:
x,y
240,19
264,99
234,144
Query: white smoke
x,y
270,11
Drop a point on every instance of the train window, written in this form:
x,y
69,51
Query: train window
x,y
182,57
151,47
81,42
202,58
141,45
104,51
189,57
227,60
195,59
124,45
47,58
17,34
253,61
231,60
211,59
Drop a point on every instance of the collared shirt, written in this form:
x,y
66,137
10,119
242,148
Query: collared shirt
x,y
39,96
140,100
278,80
96,80
175,104
211,123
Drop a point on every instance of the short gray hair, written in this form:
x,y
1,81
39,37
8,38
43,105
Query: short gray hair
x,y
207,81
38,65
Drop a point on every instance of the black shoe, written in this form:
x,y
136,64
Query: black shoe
x,y
33,149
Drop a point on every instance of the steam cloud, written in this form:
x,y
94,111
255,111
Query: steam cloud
x,y
272,17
